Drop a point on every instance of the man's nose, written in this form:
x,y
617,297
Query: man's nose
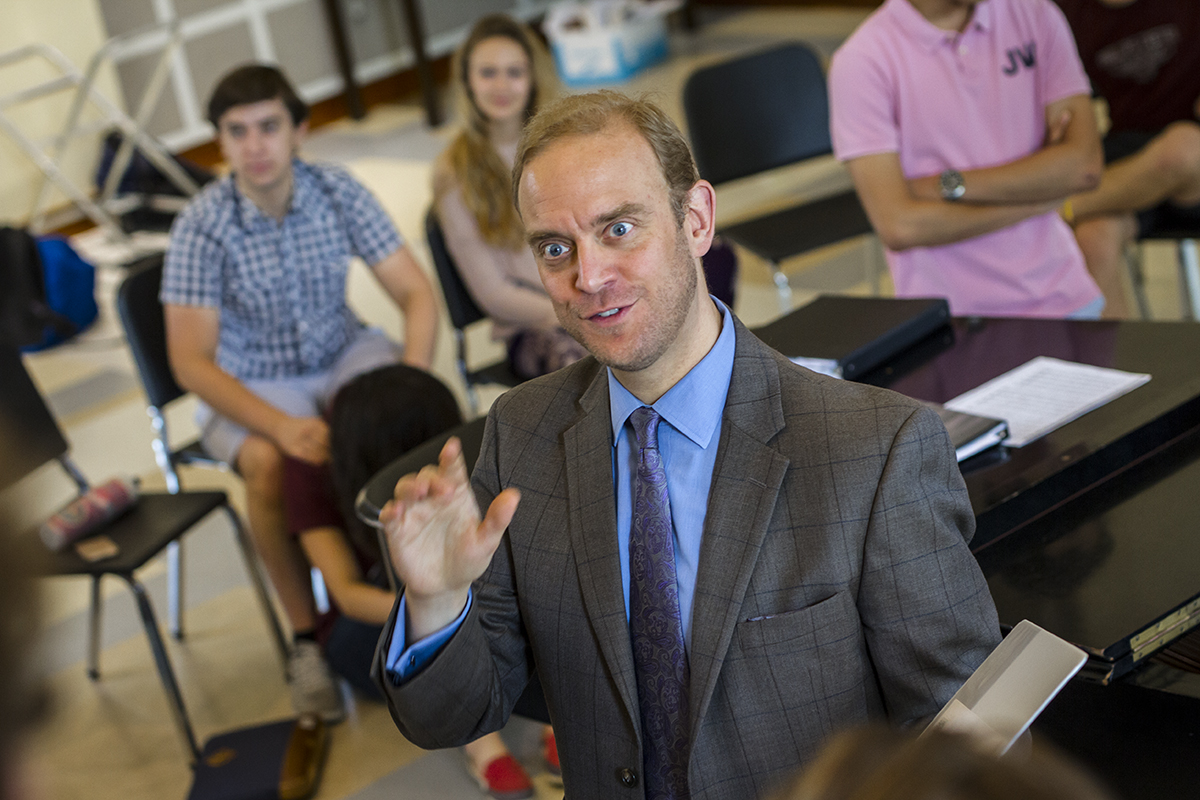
x,y
255,139
594,267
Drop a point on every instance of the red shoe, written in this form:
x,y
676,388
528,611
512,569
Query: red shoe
x,y
550,754
505,779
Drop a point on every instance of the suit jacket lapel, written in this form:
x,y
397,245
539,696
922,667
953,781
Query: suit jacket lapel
x,y
593,528
746,480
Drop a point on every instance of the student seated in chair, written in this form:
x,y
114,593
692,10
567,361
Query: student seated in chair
x,y
258,327
374,419
502,73
1143,59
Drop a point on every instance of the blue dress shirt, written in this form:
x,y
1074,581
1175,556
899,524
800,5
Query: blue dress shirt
x,y
692,409
688,443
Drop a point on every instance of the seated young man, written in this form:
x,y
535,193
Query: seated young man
x,y
965,125
1143,60
258,327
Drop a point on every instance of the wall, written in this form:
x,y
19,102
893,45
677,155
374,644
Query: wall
x,y
44,21
212,36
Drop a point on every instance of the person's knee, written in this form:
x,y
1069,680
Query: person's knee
x,y
261,465
1178,150
1105,238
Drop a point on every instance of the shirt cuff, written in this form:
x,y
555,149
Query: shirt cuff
x,y
402,664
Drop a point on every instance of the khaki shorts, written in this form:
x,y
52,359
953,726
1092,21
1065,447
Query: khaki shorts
x,y
303,396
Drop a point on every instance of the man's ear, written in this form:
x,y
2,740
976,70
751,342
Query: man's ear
x,y
699,222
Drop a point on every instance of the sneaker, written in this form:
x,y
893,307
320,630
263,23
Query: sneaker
x,y
505,779
550,754
314,688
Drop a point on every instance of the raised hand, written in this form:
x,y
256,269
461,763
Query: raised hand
x,y
438,542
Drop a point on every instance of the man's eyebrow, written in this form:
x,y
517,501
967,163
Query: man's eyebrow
x,y
532,238
623,210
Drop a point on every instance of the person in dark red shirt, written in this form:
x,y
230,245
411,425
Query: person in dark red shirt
x,y
372,420
1143,59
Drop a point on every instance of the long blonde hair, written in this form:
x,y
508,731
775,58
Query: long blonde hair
x,y
480,172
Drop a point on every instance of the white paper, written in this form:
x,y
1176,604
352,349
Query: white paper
x,y
1044,394
825,366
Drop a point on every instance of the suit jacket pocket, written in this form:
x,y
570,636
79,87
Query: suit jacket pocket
x,y
825,622
795,659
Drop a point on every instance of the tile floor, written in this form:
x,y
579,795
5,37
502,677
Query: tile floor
x,y
113,738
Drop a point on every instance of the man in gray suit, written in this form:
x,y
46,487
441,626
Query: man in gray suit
x,y
818,528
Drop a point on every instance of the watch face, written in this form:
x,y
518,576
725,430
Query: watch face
x,y
952,184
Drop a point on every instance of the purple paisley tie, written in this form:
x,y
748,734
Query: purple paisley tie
x,y
654,623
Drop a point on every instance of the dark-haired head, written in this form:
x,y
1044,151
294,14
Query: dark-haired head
x,y
878,763
376,418
253,83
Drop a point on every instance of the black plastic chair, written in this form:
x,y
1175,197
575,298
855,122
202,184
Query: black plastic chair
x,y
1165,224
372,497
141,315
760,112
155,521
463,312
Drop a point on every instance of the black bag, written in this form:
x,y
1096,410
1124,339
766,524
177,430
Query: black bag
x,y
275,761
26,318
141,176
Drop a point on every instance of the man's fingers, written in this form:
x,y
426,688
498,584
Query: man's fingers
x,y
500,513
452,465
414,486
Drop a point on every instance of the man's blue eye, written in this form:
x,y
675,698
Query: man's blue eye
x,y
554,250
621,228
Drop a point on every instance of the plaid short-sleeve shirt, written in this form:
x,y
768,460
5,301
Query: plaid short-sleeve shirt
x,y
280,287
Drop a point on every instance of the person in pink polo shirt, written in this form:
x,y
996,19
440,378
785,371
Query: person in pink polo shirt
x,y
965,124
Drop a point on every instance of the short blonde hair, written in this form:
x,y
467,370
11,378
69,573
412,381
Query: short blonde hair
x,y
583,114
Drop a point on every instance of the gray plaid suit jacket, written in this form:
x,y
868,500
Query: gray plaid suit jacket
x,y
835,584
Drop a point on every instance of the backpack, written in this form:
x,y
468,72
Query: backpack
x,y
141,176
47,292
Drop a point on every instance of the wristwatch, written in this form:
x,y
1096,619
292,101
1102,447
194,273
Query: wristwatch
x,y
952,184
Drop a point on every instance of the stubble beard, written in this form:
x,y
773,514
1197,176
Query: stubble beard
x,y
660,332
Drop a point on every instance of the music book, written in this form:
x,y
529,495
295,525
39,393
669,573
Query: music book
x,y
969,433
1011,687
849,336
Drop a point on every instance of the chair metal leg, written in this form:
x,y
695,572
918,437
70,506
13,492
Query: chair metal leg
x,y
256,579
175,589
165,673
93,654
1189,273
1137,278
783,288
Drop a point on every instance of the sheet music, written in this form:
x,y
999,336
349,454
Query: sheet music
x,y
1044,394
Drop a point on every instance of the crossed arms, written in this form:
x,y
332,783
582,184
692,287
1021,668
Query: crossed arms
x,y
910,213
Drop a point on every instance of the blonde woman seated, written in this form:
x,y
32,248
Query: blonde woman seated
x,y
502,73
